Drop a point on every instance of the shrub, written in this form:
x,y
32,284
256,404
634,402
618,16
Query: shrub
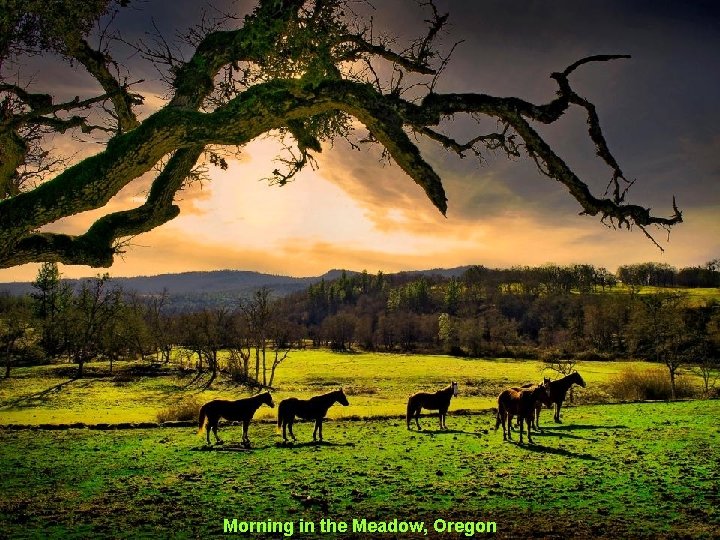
x,y
652,383
186,409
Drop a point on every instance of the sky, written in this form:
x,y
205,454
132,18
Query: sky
x,y
658,111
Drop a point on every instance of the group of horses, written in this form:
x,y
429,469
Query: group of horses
x,y
524,402
242,410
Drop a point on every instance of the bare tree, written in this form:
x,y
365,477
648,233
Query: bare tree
x,y
92,312
303,69
15,327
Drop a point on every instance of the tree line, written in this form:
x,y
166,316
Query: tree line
x,y
550,312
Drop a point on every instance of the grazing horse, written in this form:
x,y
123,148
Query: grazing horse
x,y
314,408
439,401
557,391
239,410
520,403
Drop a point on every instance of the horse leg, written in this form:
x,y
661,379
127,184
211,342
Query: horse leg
x,y
245,438
522,419
417,417
284,427
315,430
538,408
290,425
320,428
214,429
557,412
529,420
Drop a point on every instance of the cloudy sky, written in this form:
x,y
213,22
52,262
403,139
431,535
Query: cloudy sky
x,y
658,110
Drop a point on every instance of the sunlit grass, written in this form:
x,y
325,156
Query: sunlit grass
x,y
696,296
613,471
377,385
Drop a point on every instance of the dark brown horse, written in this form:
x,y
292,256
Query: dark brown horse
x,y
433,401
557,391
239,410
521,403
314,408
535,418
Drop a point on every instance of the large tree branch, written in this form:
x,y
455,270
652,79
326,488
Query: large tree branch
x,y
93,182
260,109
361,46
97,65
98,246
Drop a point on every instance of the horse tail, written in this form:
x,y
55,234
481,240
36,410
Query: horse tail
x,y
498,416
409,414
280,417
202,420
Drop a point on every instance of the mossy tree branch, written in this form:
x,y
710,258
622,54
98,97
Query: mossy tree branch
x,y
303,95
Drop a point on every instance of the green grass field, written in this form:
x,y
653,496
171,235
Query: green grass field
x,y
610,471
376,384
634,470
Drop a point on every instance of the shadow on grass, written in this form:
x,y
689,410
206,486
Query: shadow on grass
x,y
573,427
446,432
311,444
549,432
234,447
43,395
556,451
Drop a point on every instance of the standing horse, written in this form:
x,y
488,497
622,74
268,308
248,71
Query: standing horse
x,y
314,408
434,401
534,420
557,391
521,403
239,410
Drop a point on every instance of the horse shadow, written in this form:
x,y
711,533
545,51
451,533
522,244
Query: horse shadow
x,y
556,451
549,432
233,447
306,444
438,431
573,427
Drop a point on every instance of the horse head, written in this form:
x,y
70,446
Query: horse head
x,y
454,388
577,379
267,400
340,397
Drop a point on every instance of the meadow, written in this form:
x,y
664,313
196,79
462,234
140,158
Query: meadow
x,y
378,385
611,470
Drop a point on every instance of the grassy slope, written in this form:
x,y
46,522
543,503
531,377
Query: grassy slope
x,y
377,385
633,470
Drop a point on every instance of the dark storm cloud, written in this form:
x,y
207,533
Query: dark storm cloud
x,y
657,109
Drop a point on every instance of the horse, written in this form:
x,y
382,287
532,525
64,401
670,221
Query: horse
x,y
557,391
520,403
535,418
314,408
241,409
439,401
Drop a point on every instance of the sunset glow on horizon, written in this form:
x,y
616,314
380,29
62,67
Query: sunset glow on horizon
x,y
358,213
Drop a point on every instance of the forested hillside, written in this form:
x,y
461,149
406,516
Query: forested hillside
x,y
550,312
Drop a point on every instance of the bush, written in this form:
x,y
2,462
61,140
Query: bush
x,y
653,383
187,409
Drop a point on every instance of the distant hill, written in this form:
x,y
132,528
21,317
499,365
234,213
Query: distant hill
x,y
192,290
